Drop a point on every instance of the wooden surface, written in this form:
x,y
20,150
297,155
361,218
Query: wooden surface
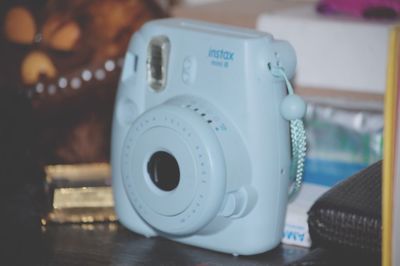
x,y
111,244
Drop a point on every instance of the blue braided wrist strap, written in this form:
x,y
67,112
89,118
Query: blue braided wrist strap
x,y
298,136
298,140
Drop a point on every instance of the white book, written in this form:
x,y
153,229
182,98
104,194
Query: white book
x,y
296,227
333,52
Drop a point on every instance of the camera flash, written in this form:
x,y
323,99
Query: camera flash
x,y
157,60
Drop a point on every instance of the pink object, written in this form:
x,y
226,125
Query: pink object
x,y
378,9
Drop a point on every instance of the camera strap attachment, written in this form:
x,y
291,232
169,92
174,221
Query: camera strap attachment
x,y
293,109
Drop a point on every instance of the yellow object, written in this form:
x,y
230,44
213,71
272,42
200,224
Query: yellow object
x,y
37,64
60,34
389,146
19,25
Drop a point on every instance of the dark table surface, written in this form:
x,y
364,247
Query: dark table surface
x,y
111,244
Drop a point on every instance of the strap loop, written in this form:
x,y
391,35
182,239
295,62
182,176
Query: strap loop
x,y
297,131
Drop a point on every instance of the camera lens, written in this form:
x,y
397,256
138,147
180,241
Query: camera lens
x,y
163,170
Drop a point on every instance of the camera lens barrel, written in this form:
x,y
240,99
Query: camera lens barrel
x,y
173,169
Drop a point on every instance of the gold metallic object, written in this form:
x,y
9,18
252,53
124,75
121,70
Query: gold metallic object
x,y
80,193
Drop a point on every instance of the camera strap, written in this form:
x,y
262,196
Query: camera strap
x,y
293,109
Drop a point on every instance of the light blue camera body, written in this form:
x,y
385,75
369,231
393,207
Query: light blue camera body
x,y
200,150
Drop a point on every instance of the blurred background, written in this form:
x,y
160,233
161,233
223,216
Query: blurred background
x,y
62,60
